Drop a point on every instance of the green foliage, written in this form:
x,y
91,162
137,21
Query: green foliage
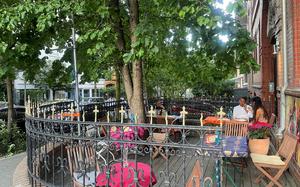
x,y
57,76
19,41
36,95
218,88
239,7
17,143
260,133
108,92
170,60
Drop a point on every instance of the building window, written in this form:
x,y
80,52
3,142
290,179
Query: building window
x,y
95,93
86,93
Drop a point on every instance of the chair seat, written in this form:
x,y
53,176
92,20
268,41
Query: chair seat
x,y
235,146
267,159
159,137
89,177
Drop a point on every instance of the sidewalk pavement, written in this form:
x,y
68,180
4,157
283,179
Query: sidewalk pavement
x,y
7,168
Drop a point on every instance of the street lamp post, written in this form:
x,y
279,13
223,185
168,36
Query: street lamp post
x,y
76,74
75,66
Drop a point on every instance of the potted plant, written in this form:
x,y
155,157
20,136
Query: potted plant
x,y
259,138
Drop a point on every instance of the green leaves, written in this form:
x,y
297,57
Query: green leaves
x,y
238,7
128,57
203,21
3,47
172,60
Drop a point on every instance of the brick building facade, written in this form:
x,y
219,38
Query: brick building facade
x,y
265,23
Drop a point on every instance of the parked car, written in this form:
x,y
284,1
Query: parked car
x,y
96,100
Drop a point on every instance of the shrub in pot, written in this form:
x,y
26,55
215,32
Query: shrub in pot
x,y
259,138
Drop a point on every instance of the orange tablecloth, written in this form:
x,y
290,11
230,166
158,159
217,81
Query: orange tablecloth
x,y
213,120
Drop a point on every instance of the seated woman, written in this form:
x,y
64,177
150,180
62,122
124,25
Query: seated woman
x,y
260,114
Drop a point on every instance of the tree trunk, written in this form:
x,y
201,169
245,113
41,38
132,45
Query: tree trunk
x,y
9,87
128,84
118,92
133,83
137,101
124,68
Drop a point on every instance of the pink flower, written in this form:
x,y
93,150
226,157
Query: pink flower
x,y
259,125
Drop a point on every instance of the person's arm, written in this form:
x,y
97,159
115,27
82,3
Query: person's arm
x,y
234,114
250,112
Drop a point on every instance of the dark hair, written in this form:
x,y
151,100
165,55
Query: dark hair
x,y
245,98
257,105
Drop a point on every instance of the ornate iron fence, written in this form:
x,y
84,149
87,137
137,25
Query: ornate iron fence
x,y
65,152
205,105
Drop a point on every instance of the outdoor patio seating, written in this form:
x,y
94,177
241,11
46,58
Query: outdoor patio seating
x,y
235,145
161,139
82,166
235,139
278,162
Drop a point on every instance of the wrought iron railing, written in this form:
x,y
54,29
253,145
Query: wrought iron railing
x,y
64,152
205,105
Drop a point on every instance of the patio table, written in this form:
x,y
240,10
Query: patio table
x,y
235,146
160,119
144,174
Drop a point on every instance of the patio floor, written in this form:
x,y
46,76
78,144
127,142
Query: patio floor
x,y
180,168
242,178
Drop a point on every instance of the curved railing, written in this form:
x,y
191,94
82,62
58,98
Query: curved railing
x,y
62,151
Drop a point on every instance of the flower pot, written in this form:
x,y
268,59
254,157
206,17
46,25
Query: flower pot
x,y
259,146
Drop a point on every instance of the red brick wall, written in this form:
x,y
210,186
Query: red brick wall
x,y
267,57
296,37
290,45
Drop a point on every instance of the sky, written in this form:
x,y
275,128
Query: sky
x,y
223,6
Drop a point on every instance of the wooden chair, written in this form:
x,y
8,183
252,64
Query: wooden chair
x,y
272,119
160,138
237,131
279,162
82,166
236,128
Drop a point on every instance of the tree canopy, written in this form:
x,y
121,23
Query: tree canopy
x,y
165,43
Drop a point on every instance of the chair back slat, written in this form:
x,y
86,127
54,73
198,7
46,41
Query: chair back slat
x,y
236,128
70,160
272,119
78,155
288,146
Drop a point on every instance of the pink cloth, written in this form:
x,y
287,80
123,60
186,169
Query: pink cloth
x,y
128,134
143,172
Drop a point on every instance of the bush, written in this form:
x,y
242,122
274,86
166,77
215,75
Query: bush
x,y
17,143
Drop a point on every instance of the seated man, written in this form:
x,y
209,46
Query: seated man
x,y
159,107
242,112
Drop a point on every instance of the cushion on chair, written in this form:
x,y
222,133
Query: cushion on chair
x,y
267,159
89,177
235,146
